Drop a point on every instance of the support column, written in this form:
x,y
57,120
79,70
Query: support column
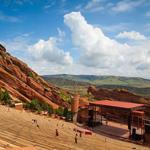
x,y
74,107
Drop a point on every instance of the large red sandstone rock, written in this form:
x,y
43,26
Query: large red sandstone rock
x,y
116,94
2,48
24,84
121,95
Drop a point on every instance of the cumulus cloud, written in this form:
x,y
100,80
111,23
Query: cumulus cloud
x,y
133,35
48,50
96,48
127,5
101,52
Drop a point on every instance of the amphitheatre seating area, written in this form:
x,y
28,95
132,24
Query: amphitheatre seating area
x,y
18,131
24,148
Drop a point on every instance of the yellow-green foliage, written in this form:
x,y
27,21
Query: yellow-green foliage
x,y
66,97
32,75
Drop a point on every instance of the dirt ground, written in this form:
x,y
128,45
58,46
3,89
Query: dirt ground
x,y
18,130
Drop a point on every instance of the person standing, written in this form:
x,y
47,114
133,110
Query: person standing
x,y
76,138
57,134
80,133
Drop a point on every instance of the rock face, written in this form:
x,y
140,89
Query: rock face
x,y
2,48
120,95
116,94
24,84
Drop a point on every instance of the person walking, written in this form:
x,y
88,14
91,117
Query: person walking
x,y
76,138
80,133
57,134
38,126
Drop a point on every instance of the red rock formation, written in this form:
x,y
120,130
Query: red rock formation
x,y
24,84
116,94
2,48
121,95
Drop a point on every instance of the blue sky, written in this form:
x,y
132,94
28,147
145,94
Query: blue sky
x,y
79,36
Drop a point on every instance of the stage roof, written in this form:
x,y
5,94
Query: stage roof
x,y
117,104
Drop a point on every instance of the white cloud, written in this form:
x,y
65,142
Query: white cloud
x,y
148,14
61,34
16,2
98,54
48,50
96,49
93,6
7,18
90,6
116,27
133,35
44,56
127,5
49,4
147,27
17,45
104,54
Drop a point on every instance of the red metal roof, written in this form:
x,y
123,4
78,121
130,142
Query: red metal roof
x,y
119,104
138,113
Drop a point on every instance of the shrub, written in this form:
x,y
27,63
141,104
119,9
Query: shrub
x,y
30,74
67,114
46,107
50,110
60,111
26,105
5,97
35,105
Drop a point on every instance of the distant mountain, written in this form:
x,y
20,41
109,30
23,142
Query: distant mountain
x,y
136,85
105,80
60,81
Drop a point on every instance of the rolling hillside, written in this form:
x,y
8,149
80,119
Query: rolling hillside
x,y
135,85
105,80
